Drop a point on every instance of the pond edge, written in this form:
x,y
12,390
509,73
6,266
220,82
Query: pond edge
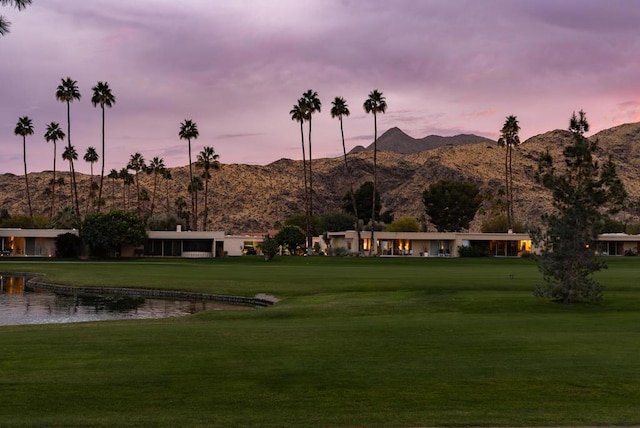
x,y
31,282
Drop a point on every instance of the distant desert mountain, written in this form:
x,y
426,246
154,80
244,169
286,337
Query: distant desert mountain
x,y
248,198
395,140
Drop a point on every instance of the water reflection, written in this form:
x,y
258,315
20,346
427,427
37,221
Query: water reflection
x,y
11,284
18,306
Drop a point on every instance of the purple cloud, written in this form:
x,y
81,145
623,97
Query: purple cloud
x,y
237,68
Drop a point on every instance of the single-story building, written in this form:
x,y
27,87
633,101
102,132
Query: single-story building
x,y
432,244
202,244
30,242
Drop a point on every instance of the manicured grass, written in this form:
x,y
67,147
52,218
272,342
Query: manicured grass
x,y
354,342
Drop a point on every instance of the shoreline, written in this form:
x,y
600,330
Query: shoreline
x,y
31,282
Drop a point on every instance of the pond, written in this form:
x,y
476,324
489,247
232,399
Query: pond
x,y
20,306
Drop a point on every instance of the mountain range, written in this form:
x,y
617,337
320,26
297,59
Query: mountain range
x,y
395,140
252,198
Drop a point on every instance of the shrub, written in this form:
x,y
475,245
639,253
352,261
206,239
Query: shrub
x,y
340,252
269,247
106,233
291,238
68,245
404,224
473,250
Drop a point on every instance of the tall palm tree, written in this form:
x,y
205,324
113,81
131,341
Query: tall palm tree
x,y
67,92
53,133
375,103
312,104
156,167
340,109
70,154
166,175
193,188
18,4
509,138
113,175
127,179
189,130
299,114
102,95
137,164
207,160
92,157
24,127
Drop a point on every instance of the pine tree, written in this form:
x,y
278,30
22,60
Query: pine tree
x,y
582,193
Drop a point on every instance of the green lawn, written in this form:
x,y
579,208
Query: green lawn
x,y
354,342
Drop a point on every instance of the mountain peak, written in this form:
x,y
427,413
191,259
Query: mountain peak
x,y
396,140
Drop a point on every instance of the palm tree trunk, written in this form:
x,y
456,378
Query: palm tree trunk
x,y
153,197
124,194
310,213
194,214
53,183
137,194
90,189
102,172
70,184
206,206
195,217
168,205
351,193
372,244
511,216
73,170
507,185
306,189
26,178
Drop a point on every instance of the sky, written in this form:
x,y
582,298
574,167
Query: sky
x,y
237,67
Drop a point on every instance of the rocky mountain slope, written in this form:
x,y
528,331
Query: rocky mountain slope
x,y
246,198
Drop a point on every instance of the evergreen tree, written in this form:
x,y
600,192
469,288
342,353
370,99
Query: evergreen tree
x,y
582,192
451,204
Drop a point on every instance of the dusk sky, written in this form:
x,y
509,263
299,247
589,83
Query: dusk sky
x,y
237,67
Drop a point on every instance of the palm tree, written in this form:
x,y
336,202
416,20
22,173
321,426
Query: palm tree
x,y
70,154
67,92
189,130
18,4
127,179
375,104
312,104
166,175
340,109
102,95
181,209
207,160
156,167
509,138
24,127
193,188
137,164
92,157
113,175
53,133
299,114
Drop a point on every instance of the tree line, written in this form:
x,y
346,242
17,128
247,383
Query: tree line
x,y
67,92
303,112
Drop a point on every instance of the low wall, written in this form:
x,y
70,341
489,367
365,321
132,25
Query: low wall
x,y
32,282
197,254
